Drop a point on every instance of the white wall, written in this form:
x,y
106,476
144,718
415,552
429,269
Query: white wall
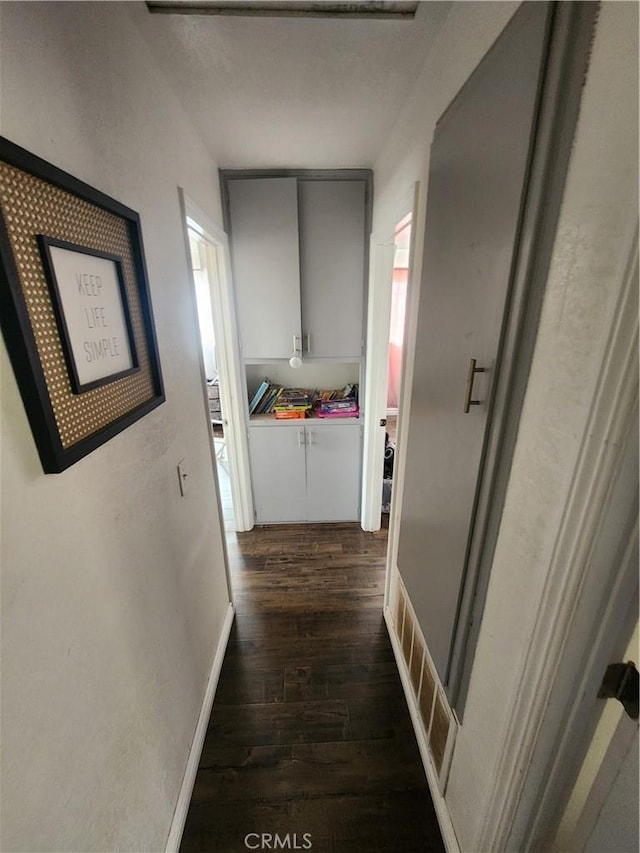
x,y
113,587
598,213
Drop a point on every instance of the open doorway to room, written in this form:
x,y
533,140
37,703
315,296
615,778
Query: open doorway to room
x,y
207,250
389,286
400,280
199,247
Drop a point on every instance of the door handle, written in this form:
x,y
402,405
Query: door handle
x,y
468,402
621,682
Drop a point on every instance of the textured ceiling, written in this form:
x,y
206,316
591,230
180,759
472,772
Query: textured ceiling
x,y
279,92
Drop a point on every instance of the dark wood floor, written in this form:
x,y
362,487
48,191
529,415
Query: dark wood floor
x,y
309,731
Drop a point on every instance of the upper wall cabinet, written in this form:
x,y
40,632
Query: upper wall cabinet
x,y
299,250
266,265
332,243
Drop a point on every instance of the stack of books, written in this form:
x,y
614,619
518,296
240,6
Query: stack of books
x,y
337,404
337,409
264,400
288,403
292,403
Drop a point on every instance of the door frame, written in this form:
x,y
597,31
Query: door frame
x,y
232,389
382,251
602,755
592,577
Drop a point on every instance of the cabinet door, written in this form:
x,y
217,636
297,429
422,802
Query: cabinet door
x,y
278,473
266,265
332,256
333,472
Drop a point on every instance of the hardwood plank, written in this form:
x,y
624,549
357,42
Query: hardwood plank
x,y
375,681
332,599
244,686
274,651
279,723
308,770
294,624
394,822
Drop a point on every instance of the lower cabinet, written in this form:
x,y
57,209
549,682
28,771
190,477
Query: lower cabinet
x,y
307,472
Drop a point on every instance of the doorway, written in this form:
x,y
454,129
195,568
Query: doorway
x,y
399,286
391,257
220,426
223,381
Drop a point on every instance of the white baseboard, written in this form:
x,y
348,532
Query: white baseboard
x,y
186,790
442,812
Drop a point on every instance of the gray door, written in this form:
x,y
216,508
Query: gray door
x,y
477,179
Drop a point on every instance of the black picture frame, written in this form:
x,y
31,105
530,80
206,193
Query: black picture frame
x,y
18,332
45,243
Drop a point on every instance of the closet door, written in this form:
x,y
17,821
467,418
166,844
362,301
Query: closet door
x,y
266,264
477,181
332,257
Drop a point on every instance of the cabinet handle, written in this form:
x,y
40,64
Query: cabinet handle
x,y
310,439
308,338
297,345
470,378
301,441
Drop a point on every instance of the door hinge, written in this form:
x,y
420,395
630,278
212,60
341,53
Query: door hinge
x,y
621,682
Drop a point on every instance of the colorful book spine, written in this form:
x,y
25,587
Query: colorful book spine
x,y
289,415
257,397
339,414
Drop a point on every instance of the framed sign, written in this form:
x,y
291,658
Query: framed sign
x,y
90,303
75,308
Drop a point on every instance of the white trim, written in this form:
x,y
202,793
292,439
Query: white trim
x,y
406,379
555,636
382,251
232,387
442,812
188,781
375,383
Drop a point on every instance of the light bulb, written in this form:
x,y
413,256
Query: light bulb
x,y
295,361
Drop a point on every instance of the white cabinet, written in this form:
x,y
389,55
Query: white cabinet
x,y
278,474
305,473
333,471
266,265
298,249
332,245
